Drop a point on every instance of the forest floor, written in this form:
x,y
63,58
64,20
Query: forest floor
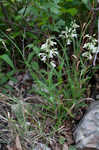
x,y
24,123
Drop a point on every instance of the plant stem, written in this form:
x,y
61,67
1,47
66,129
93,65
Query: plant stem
x,y
95,58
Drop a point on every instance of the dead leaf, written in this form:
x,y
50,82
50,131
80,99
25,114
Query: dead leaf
x,y
57,147
18,144
9,148
9,29
65,146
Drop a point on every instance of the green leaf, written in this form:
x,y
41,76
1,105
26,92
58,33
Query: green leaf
x,y
7,59
3,79
10,73
30,57
55,10
72,11
35,65
87,3
61,140
30,45
69,0
8,87
72,148
60,23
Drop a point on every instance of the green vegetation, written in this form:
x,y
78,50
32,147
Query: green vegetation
x,y
54,40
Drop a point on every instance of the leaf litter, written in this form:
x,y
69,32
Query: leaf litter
x,y
22,124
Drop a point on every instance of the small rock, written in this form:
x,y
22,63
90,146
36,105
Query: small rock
x,y
86,135
11,83
97,97
27,76
57,147
41,146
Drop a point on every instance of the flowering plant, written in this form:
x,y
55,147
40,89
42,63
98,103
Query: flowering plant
x,y
49,51
70,32
90,46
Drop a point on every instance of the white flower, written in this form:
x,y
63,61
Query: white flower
x,y
88,55
51,54
44,46
55,52
53,64
68,41
95,49
74,35
63,32
52,43
63,36
69,33
87,35
49,51
85,45
43,58
90,46
41,54
75,25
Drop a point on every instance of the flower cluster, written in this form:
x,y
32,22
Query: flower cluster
x,y
70,32
49,51
90,46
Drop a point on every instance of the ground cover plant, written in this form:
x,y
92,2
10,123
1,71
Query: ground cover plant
x,y
46,70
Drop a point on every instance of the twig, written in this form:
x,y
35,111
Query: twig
x,y
81,100
35,99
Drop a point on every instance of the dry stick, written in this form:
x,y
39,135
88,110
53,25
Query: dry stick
x,y
94,61
81,100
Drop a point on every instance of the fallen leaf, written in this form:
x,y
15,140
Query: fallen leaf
x,y
18,144
57,147
9,148
65,146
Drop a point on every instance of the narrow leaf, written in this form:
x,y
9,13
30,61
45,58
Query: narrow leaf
x,y
7,59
